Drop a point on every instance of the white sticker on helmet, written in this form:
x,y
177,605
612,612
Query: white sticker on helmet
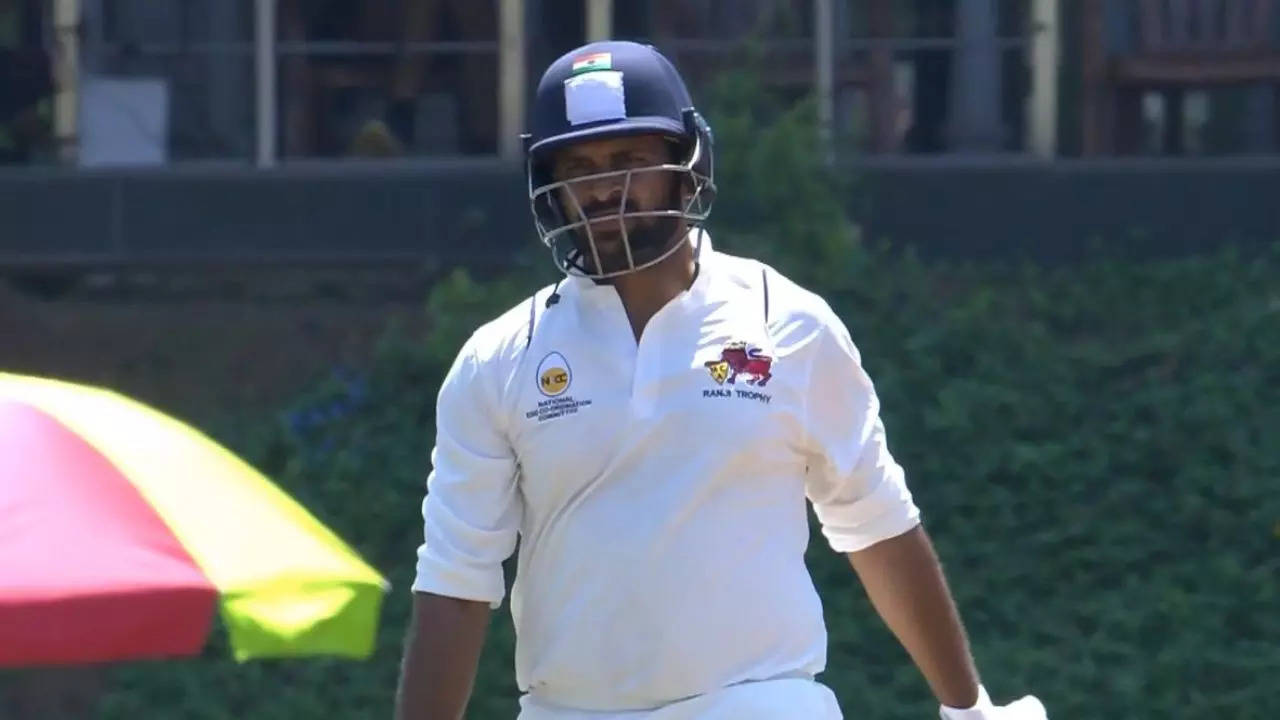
x,y
594,96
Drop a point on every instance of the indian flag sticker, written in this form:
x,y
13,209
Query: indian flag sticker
x,y
598,61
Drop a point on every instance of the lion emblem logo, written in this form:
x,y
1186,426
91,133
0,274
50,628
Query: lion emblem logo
x,y
738,358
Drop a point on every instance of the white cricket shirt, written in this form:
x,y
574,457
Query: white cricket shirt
x,y
657,487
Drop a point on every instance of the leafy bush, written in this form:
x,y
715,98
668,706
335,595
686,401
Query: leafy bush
x,y
778,198
1091,449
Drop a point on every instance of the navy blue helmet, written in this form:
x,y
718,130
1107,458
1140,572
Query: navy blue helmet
x,y
610,90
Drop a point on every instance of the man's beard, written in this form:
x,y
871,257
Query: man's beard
x,y
648,237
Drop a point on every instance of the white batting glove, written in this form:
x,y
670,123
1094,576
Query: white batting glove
x,y
1025,708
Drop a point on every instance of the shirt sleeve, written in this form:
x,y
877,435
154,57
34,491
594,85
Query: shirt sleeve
x,y
859,492
473,508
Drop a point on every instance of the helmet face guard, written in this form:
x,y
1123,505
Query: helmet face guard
x,y
654,234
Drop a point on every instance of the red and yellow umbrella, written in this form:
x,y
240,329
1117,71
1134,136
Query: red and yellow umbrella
x,y
122,530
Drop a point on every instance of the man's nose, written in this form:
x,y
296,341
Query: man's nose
x,y
603,191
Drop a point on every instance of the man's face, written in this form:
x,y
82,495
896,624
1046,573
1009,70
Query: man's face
x,y
601,199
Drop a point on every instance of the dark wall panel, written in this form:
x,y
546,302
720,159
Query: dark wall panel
x,y
1058,212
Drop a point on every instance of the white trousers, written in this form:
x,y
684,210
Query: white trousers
x,y
781,699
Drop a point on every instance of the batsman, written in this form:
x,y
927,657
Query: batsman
x,y
649,433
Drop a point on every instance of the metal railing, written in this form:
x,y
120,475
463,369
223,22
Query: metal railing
x,y
828,51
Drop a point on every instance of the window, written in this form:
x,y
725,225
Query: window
x,y
894,98
388,77
176,81
166,81
26,85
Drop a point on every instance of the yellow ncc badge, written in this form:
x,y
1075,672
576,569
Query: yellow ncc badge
x,y
553,377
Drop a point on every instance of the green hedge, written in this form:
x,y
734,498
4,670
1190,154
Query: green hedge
x,y
1094,449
